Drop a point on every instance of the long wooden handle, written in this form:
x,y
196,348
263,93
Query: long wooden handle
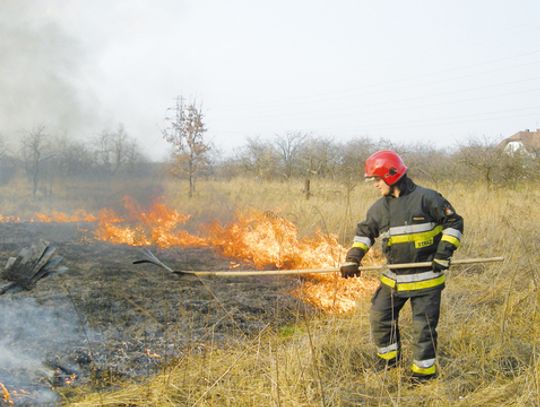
x,y
247,273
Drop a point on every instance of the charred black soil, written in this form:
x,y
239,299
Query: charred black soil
x,y
106,319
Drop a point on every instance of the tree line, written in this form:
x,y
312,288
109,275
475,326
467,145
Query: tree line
x,y
43,158
299,155
296,154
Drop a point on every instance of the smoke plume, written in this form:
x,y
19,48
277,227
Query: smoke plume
x,y
41,74
32,334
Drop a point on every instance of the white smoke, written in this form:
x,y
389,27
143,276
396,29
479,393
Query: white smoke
x,y
41,70
30,334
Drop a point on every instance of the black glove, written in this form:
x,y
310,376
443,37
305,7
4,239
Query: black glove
x,y
440,265
349,269
352,262
355,255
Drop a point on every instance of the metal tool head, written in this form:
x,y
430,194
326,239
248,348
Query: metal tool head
x,y
149,257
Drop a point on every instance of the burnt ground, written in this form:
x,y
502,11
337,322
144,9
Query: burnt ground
x,y
106,319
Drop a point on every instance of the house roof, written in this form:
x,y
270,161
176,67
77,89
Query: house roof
x,y
529,139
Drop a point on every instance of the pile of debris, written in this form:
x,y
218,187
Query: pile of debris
x,y
31,265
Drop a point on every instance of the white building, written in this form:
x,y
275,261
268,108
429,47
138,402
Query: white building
x,y
523,142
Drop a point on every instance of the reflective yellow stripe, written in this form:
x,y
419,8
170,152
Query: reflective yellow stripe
x,y
421,239
388,281
418,285
451,239
388,355
423,370
361,245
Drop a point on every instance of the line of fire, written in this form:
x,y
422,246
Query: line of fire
x,y
260,239
252,240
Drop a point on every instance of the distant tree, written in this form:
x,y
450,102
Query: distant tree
x,y
319,158
259,158
229,167
485,161
289,147
425,162
353,155
114,150
73,157
185,132
7,165
35,150
134,158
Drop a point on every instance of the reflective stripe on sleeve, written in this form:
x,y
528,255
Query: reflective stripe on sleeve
x,y
453,232
362,242
361,246
451,239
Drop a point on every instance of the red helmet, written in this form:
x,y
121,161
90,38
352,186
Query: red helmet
x,y
385,164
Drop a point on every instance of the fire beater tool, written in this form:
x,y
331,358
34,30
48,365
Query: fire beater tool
x,y
31,265
149,257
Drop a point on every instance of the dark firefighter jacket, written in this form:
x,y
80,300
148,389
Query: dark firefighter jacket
x,y
417,226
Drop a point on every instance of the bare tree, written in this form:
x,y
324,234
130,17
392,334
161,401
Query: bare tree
x,y
426,162
115,150
119,148
35,150
321,156
485,161
133,156
74,157
289,147
7,162
259,158
480,158
185,132
353,155
318,157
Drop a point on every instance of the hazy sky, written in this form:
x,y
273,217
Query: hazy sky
x,y
411,71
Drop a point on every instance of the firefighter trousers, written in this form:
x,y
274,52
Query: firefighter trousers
x,y
384,317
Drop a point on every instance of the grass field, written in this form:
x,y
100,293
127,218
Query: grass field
x,y
489,333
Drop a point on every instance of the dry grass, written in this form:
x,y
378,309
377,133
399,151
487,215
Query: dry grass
x,y
329,209
489,351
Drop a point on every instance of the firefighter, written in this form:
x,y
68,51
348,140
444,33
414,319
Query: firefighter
x,y
415,224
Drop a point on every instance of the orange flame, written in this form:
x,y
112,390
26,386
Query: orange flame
x,y
6,397
333,294
79,215
9,219
261,238
157,226
109,230
61,217
266,239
